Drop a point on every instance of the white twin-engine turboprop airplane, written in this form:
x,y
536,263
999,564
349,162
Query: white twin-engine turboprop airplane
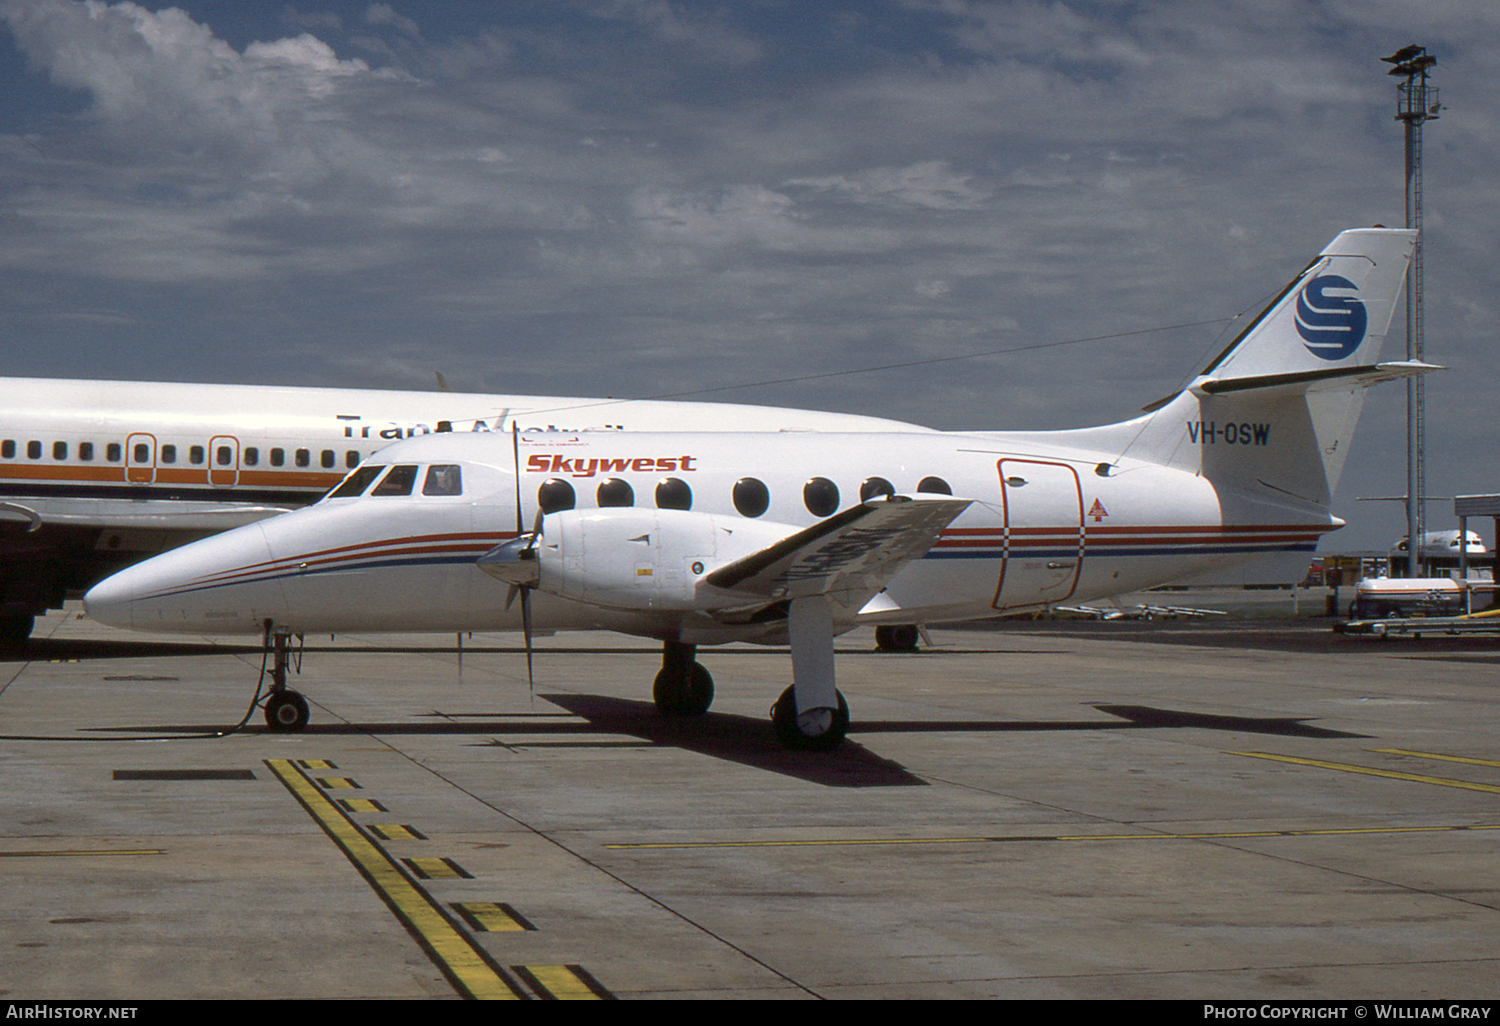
x,y
796,537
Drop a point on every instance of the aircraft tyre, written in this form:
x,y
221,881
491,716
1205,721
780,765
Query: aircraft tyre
x,y
791,734
688,692
900,637
15,629
286,711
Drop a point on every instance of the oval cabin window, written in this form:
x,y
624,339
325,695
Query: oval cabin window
x,y
615,492
674,493
555,495
751,497
821,497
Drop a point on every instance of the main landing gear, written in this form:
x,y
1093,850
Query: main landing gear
x,y
286,710
684,688
816,730
900,637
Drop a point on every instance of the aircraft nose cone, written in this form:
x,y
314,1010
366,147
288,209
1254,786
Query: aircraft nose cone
x,y
191,588
112,600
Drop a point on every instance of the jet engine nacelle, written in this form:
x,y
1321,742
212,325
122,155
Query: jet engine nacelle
x,y
628,558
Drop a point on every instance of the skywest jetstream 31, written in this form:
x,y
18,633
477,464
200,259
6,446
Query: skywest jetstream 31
x,y
795,537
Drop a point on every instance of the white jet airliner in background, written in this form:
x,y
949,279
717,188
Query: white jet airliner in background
x,y
795,537
96,475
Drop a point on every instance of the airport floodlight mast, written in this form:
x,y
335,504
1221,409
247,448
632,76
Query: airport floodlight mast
x,y
1416,104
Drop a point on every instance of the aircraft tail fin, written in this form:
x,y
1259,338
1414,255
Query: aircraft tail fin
x,y
1274,412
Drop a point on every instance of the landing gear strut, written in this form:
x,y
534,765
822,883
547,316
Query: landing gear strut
x,y
286,710
683,687
811,715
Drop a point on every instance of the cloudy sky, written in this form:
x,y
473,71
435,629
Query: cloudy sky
x,y
649,197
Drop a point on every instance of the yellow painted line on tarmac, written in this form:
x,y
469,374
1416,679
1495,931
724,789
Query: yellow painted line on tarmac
x,y
1415,778
361,805
1439,758
1216,835
825,843
492,917
397,832
562,982
467,967
338,784
80,852
437,869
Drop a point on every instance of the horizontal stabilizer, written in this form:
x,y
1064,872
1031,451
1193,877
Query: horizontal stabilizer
x,y
852,554
1319,380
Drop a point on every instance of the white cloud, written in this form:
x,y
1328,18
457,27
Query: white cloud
x,y
604,194
931,183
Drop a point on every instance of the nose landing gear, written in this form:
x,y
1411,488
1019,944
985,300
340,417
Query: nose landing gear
x,y
286,710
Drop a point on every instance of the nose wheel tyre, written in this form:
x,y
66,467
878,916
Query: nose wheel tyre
x,y
286,711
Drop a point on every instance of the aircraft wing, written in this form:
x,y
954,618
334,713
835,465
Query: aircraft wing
x,y
163,514
849,557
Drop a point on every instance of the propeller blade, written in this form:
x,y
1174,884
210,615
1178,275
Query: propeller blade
x,y
526,631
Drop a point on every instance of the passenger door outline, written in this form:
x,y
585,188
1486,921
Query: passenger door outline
x,y
140,470
225,474
1044,534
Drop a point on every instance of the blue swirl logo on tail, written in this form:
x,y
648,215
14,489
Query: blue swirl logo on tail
x,y
1331,326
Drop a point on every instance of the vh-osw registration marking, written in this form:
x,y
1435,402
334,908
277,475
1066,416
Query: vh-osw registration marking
x,y
1243,433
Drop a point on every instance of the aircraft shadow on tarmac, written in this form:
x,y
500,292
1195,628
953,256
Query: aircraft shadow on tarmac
x,y
750,741
745,740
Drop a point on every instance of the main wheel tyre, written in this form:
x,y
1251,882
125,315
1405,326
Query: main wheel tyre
x,y
830,725
901,637
286,711
688,693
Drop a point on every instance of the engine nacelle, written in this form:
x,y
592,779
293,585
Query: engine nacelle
x,y
629,558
